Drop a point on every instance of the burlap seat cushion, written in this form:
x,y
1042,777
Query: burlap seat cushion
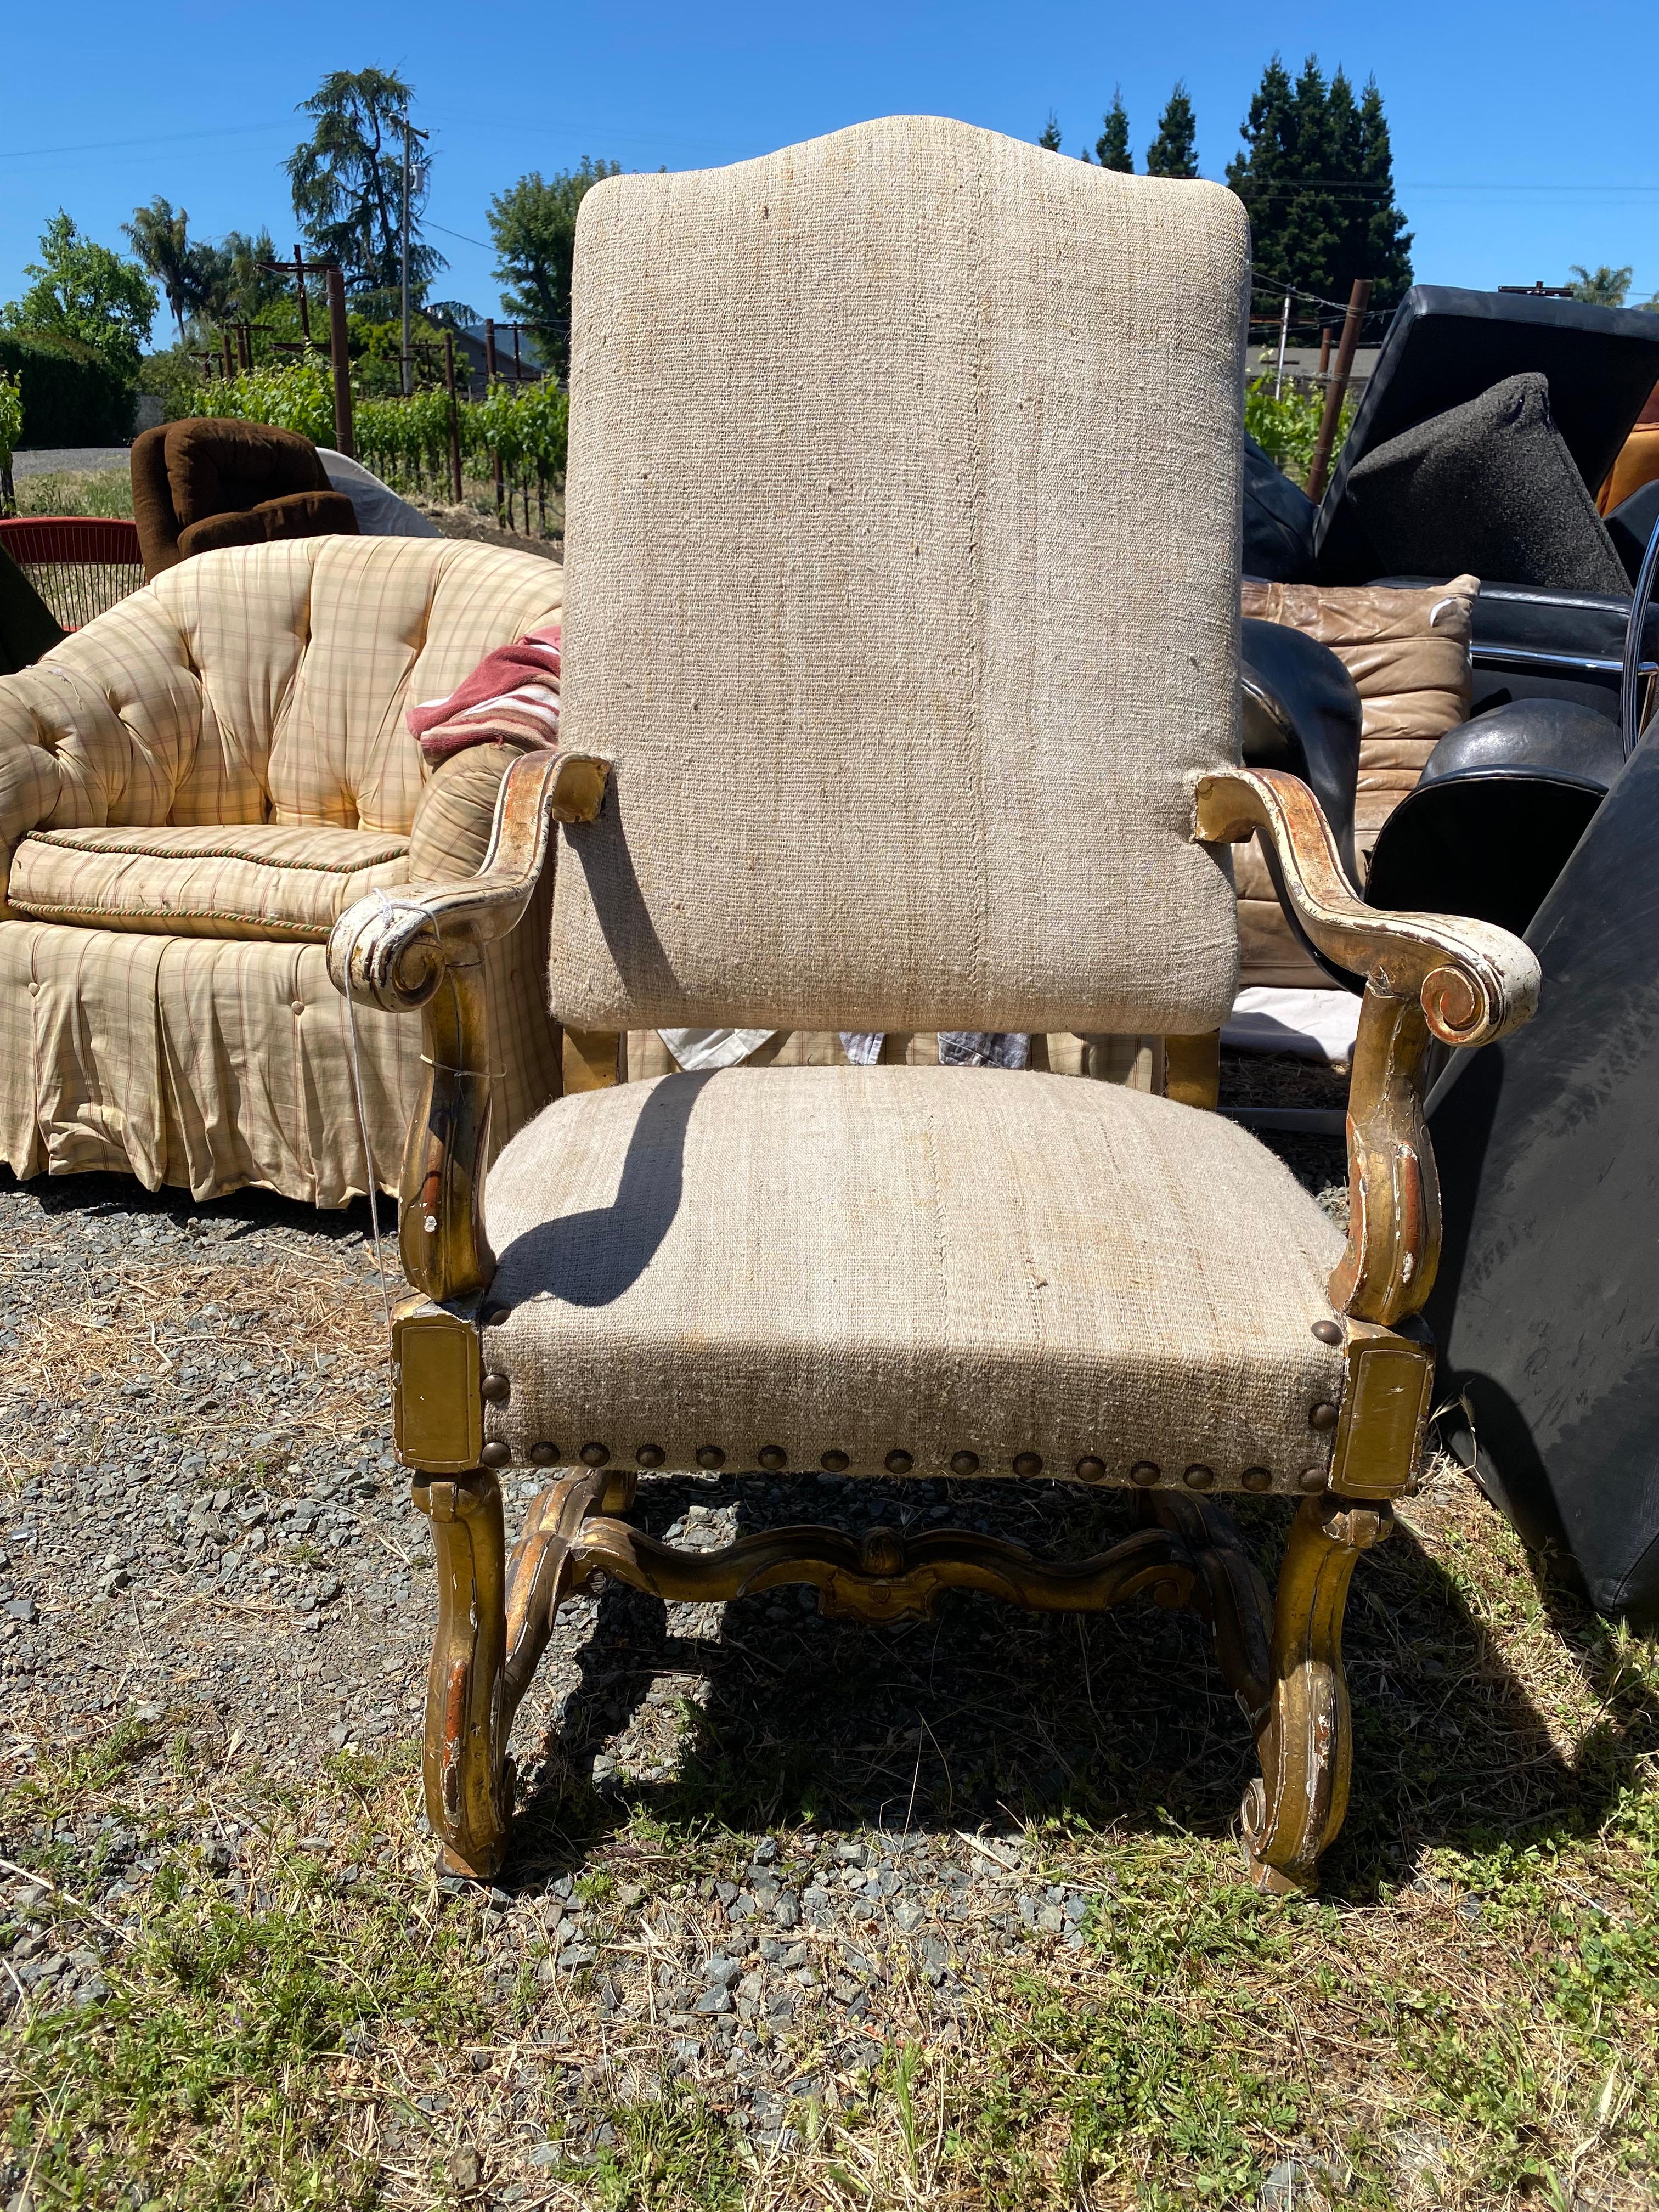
x,y
926,1259
229,879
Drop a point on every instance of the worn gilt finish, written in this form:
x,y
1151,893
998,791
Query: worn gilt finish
x,y
1466,983
1458,981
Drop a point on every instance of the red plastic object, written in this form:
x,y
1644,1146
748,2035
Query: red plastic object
x,y
80,564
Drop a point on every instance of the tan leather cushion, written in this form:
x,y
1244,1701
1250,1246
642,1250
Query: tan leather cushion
x,y
255,880
1409,654
932,1259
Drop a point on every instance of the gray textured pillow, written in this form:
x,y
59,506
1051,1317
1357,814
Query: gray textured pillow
x,y
1489,487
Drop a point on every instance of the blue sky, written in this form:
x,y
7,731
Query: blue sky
x,y
1522,135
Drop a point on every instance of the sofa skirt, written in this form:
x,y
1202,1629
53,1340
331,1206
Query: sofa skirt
x,y
215,1064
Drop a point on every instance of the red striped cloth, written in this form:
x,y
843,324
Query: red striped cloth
x,y
512,697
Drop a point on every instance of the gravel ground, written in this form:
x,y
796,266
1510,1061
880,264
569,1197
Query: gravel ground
x,y
764,1862
50,461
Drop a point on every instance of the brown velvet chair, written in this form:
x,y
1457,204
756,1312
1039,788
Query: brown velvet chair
x,y
205,483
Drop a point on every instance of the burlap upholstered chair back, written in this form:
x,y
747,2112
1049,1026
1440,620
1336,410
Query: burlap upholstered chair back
x,y
902,589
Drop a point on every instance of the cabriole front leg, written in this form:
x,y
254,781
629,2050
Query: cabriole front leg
x,y
469,1780
1306,1745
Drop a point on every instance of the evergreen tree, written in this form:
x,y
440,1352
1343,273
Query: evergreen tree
x,y
1317,180
1112,147
1174,152
1385,246
1312,214
1262,174
348,180
1049,139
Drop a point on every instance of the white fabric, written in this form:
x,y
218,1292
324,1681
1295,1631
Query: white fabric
x,y
1313,1024
380,512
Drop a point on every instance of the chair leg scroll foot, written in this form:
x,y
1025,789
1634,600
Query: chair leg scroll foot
x,y
1295,1809
469,1782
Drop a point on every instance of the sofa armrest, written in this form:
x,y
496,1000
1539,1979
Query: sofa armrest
x,y
1466,983
423,949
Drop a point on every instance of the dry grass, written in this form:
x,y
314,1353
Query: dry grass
x,y
294,2016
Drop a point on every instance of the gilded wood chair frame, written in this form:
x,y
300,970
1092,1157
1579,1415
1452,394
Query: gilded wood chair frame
x,y
1462,982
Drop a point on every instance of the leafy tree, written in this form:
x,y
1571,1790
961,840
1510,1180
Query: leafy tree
x,y
1049,138
348,182
533,225
1174,152
86,294
160,239
1112,147
1602,286
228,283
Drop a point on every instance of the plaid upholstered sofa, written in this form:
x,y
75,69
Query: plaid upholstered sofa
x,y
192,789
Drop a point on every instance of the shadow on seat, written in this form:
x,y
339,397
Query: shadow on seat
x,y
590,1259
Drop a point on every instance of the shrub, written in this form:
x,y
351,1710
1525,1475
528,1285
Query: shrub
x,y
1287,428
70,397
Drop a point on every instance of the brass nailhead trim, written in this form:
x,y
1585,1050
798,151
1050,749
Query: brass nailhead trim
x,y
834,1462
1311,1479
1144,1474
1328,1332
1027,1464
595,1455
496,1389
1199,1477
964,1462
710,1455
1091,1469
650,1455
543,1454
495,1456
898,1462
1257,1478
1322,1417
772,1457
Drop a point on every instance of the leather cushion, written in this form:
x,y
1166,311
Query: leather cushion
x,y
1490,486
249,880
932,1259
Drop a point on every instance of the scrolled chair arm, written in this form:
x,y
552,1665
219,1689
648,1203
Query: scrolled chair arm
x,y
423,950
1464,982
392,952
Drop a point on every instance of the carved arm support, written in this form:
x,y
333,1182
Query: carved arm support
x,y
423,949
1462,981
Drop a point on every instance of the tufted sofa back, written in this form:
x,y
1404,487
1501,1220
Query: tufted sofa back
x,y
262,684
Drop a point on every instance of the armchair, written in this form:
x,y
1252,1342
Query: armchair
x,y
918,791
191,789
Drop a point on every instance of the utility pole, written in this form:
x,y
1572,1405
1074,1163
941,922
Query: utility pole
x,y
340,349
410,132
1284,334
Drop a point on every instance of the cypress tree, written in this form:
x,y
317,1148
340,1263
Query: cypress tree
x,y
1385,248
1174,152
1262,173
1310,236
1112,147
1049,140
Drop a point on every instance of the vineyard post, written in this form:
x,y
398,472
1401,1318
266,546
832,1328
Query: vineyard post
x,y
1358,299
340,355
489,386
454,416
